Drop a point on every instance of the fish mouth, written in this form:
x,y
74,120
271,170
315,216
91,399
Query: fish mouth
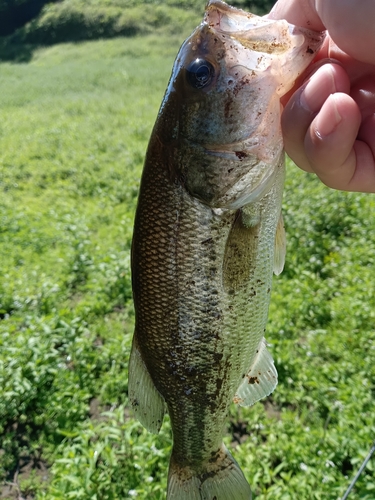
x,y
247,28
233,128
267,40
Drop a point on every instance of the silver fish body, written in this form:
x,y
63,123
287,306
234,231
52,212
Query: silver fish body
x,y
208,234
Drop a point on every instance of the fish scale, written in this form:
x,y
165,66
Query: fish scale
x,y
208,233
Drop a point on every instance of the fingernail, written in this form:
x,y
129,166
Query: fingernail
x,y
328,119
320,85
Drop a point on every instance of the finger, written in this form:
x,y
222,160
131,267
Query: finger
x,y
350,25
329,142
364,175
304,106
363,92
354,67
326,157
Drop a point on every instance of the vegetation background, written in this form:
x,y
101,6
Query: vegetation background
x,y
75,121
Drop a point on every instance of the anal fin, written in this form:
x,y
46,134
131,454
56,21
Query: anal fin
x,y
261,379
146,401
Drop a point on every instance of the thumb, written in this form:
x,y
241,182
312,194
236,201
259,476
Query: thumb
x,y
350,25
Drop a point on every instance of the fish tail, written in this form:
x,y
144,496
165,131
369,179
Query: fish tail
x,y
219,479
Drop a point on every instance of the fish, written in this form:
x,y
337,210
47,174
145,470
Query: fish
x,y
208,235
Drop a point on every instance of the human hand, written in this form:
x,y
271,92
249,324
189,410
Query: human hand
x,y
329,121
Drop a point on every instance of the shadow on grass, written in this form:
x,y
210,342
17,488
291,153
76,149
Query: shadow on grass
x,y
12,50
15,48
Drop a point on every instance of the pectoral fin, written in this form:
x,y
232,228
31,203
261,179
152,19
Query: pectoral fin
x,y
261,379
240,251
280,247
146,400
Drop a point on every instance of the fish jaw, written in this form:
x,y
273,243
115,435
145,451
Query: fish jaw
x,y
226,84
284,49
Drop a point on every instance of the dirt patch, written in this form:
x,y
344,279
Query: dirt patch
x,y
30,473
272,411
239,432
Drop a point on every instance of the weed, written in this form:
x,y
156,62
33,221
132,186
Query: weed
x,y
74,130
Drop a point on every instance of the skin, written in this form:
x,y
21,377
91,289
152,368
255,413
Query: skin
x,y
329,117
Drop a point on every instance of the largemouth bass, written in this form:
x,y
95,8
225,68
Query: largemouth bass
x,y
208,234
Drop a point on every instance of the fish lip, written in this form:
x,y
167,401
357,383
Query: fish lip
x,y
230,20
250,30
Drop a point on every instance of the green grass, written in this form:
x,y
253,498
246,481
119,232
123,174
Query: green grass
x,y
75,122
77,20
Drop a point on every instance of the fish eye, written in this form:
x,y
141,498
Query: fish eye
x,y
199,73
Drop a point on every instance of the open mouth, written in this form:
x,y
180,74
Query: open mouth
x,y
252,31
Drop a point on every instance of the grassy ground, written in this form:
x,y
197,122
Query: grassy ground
x,y
74,126
77,20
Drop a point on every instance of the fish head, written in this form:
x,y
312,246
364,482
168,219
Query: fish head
x,y
225,87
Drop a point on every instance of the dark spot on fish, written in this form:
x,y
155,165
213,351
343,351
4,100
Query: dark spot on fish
x,y
218,356
253,293
191,370
309,50
220,54
254,380
268,290
227,108
230,82
208,240
240,154
219,383
230,170
214,455
181,179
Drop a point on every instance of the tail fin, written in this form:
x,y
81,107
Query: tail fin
x,y
219,479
